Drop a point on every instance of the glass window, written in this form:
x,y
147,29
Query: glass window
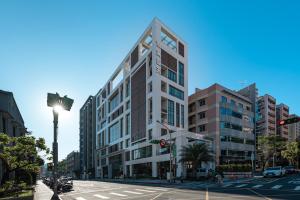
x,y
181,74
163,132
182,116
224,99
172,76
143,152
150,134
232,102
230,126
171,112
202,102
127,142
114,102
177,114
127,86
237,140
241,105
127,126
251,142
168,40
202,115
121,127
176,92
114,132
202,128
127,104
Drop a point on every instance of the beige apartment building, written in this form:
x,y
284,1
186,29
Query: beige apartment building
x,y
293,130
227,117
282,113
266,110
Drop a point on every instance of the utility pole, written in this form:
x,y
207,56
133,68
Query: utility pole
x,y
55,155
170,144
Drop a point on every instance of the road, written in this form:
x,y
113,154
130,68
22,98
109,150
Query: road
x,y
259,188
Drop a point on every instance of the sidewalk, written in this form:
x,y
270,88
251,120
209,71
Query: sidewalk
x,y
42,192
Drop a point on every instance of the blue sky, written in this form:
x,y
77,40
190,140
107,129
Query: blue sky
x,y
72,47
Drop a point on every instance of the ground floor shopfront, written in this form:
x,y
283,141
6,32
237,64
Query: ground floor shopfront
x,y
148,160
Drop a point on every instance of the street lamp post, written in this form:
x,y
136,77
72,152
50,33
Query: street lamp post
x,y
56,102
170,143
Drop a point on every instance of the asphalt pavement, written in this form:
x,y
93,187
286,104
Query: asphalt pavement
x,y
287,187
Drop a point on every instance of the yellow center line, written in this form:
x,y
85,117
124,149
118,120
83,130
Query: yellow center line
x,y
206,194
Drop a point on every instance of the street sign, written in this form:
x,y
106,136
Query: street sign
x,y
155,141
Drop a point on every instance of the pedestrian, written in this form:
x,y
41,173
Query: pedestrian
x,y
219,179
181,178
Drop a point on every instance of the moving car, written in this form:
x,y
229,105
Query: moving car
x,y
274,172
290,170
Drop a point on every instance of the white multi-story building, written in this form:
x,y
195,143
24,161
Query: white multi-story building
x,y
149,85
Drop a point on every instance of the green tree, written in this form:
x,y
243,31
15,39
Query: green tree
x,y
269,148
21,155
194,154
291,152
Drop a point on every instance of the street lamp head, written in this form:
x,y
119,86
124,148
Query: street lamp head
x,y
57,108
55,101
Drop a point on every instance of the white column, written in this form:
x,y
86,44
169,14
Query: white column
x,y
154,169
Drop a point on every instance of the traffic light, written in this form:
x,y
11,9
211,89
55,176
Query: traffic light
x,y
288,121
162,143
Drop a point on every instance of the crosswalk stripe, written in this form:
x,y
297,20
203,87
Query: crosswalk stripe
x,y
144,190
80,198
131,192
118,194
276,186
257,186
297,188
227,185
159,189
100,196
238,186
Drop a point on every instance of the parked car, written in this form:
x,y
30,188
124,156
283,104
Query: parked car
x,y
274,172
290,170
202,173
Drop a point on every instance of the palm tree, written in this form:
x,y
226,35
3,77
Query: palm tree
x,y
195,154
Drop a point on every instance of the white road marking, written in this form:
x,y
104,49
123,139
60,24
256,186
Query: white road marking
x,y
144,190
238,186
297,188
227,185
276,187
80,198
159,189
100,196
131,192
118,194
257,186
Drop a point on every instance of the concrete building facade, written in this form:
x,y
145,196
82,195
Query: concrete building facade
x,y
266,110
282,113
87,138
73,164
293,130
149,85
227,117
11,121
